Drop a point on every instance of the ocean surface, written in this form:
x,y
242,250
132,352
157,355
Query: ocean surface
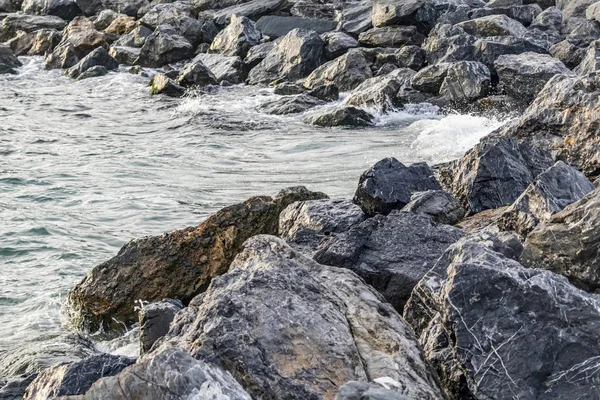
x,y
85,166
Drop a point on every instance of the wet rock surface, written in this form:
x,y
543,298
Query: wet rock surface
x,y
155,320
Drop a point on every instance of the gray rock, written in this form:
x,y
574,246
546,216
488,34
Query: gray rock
x,y
155,320
35,43
288,89
466,81
98,57
493,174
493,25
127,7
304,225
440,206
195,73
75,378
574,8
105,18
496,330
568,53
369,391
389,184
523,76
10,6
235,40
12,24
8,60
277,26
164,46
180,17
297,55
342,115
488,50
591,60
420,13
431,78
65,9
284,325
568,243
62,56
13,388
290,105
593,12
346,72
391,36
581,31
315,9
549,19
93,72
124,54
328,92
162,84
380,92
258,53
355,17
337,44
391,253
79,39
253,9
135,38
169,375
224,68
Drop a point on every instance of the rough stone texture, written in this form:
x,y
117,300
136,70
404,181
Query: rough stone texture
x,y
593,12
105,18
337,44
404,12
565,119
493,174
296,56
440,206
258,53
523,76
155,320
98,57
305,224
171,374
8,60
180,17
389,184
135,38
391,36
569,243
75,378
568,53
195,73
346,72
275,26
381,92
253,9
290,105
370,391
431,78
466,81
549,19
162,84
35,43
550,192
164,46
79,38
121,26
65,9
391,253
355,17
235,40
496,330
224,68
287,327
493,25
12,24
177,265
342,115
93,72
124,54
591,60
13,388
328,92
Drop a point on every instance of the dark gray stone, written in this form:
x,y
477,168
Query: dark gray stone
x,y
355,17
235,40
389,184
591,61
124,54
391,36
466,81
135,38
493,25
98,57
12,24
288,89
290,105
337,44
155,320
195,73
224,68
258,53
440,206
328,92
65,9
420,13
431,78
93,72
162,84
181,18
253,9
346,72
370,391
276,26
547,20
342,115
391,253
380,92
568,53
8,60
164,46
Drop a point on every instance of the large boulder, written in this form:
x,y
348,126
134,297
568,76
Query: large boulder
x,y
135,38
355,17
346,72
466,81
195,73
164,46
35,43
253,9
285,326
65,9
155,320
258,53
494,173
71,379
564,119
550,192
591,60
171,374
493,25
341,115
275,26
523,76
177,265
391,36
162,84
226,69
389,184
404,12
569,243
98,57
237,38
496,330
8,60
380,92
290,105
79,39
439,205
391,253
180,16
14,24
294,57
568,53
337,43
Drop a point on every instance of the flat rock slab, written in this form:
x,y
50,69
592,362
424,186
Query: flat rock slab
x,y
276,26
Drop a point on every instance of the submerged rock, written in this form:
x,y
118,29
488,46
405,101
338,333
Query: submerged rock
x,y
437,204
290,105
389,184
391,253
283,324
155,320
342,115
162,84
178,265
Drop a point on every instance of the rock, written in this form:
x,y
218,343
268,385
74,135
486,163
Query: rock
x,y
466,81
563,119
391,253
164,46
591,61
380,92
304,225
440,206
494,173
574,8
235,40
9,6
296,56
283,324
346,72
288,89
121,26
337,44
391,36
124,54
490,49
79,39
180,17
35,43
62,56
276,26
389,184
258,53
412,57
355,17
431,78
310,9
98,57
65,9
14,388
494,329
550,192
225,69
105,18
179,264
170,374
328,92
523,76
253,9
547,20
568,243
162,84
195,73
405,12
493,25
155,319
593,12
290,105
448,43
12,24
369,391
8,60
580,31
93,72
75,378
568,53
341,115
135,38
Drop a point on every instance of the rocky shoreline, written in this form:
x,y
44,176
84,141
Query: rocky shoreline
x,y
475,279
